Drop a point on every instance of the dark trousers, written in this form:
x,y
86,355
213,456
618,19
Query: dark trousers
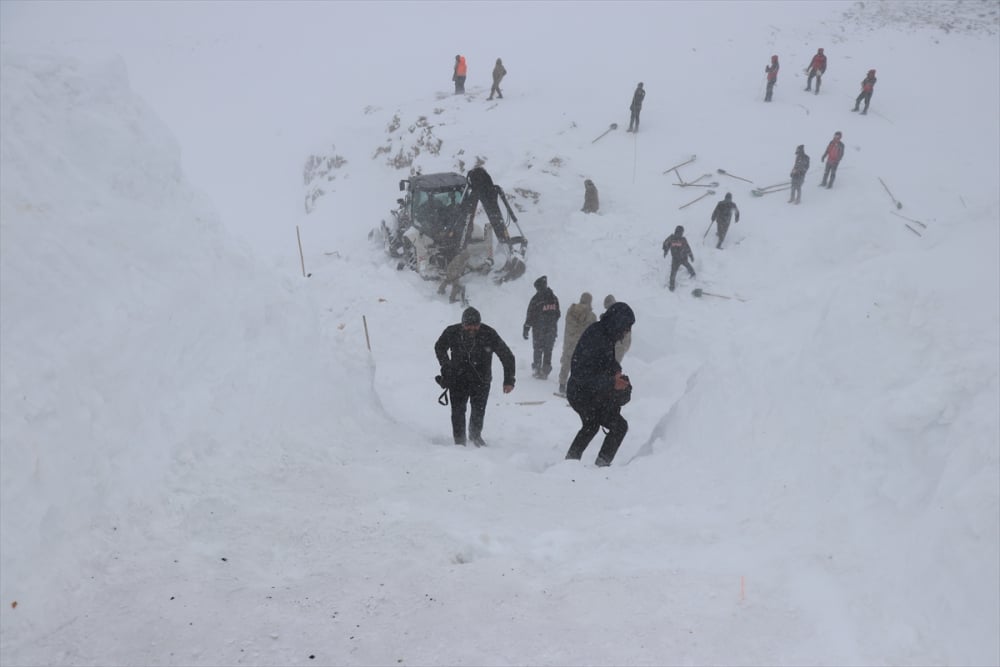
x,y
721,229
542,344
459,85
867,97
819,79
633,121
796,193
495,90
677,264
829,174
594,415
477,395
770,89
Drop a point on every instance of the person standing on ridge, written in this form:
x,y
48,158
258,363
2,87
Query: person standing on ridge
x,y
798,174
597,389
772,77
499,72
637,97
722,215
467,372
542,321
578,318
459,75
817,68
867,88
680,252
833,154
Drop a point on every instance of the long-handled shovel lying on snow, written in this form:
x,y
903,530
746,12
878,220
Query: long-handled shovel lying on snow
x,y
726,173
613,126
699,292
688,161
898,204
708,193
713,184
778,187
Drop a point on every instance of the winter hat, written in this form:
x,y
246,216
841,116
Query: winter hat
x,y
542,282
821,50
774,58
801,148
471,316
609,300
679,229
640,84
619,317
871,71
586,299
729,196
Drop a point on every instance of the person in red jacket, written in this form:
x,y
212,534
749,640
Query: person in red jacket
x,y
817,68
772,77
833,154
459,75
867,88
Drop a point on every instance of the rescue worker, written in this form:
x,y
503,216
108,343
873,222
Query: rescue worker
x,y
817,68
798,174
722,215
542,322
833,154
459,75
637,97
680,252
867,88
578,318
772,77
597,389
499,72
467,372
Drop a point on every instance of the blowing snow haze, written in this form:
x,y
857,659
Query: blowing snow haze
x,y
207,459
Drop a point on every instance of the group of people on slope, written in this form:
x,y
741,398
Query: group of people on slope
x,y
461,70
815,70
590,376
832,156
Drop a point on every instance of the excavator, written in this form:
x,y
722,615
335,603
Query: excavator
x,y
435,223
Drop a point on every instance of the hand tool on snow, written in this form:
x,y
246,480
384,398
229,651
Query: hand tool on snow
x,y
707,194
688,161
699,292
898,205
726,173
613,126
713,184
778,187
899,215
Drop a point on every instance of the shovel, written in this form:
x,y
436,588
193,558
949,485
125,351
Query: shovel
x,y
699,292
726,173
760,192
707,194
688,161
898,204
613,126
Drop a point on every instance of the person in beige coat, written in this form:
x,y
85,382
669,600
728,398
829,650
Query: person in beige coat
x,y
578,317
622,346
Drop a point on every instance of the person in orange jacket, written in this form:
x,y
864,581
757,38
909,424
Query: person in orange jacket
x,y
817,68
772,77
459,76
833,154
867,88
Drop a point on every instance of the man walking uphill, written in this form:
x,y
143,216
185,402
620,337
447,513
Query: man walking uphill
x,y
597,389
542,320
637,97
680,252
578,318
467,372
722,215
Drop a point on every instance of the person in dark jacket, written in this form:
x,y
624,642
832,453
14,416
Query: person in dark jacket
x,y
542,320
817,68
499,72
833,154
722,215
637,97
465,352
772,77
680,252
596,382
798,174
590,200
867,88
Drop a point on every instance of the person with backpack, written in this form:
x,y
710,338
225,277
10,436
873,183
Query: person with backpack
x,y
597,389
798,174
772,77
680,253
637,97
833,154
458,76
817,68
542,322
499,72
722,215
579,316
465,352
867,88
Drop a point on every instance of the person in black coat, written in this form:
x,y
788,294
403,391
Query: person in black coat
x,y
636,108
542,320
596,383
798,174
467,372
722,215
680,252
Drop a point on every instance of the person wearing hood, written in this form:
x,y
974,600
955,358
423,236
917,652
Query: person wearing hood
x,y
817,68
465,352
458,75
578,318
542,321
772,77
680,253
722,215
590,200
833,154
798,174
622,346
597,389
636,108
499,72
867,88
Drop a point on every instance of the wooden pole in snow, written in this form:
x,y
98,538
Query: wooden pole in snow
x,y
302,257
